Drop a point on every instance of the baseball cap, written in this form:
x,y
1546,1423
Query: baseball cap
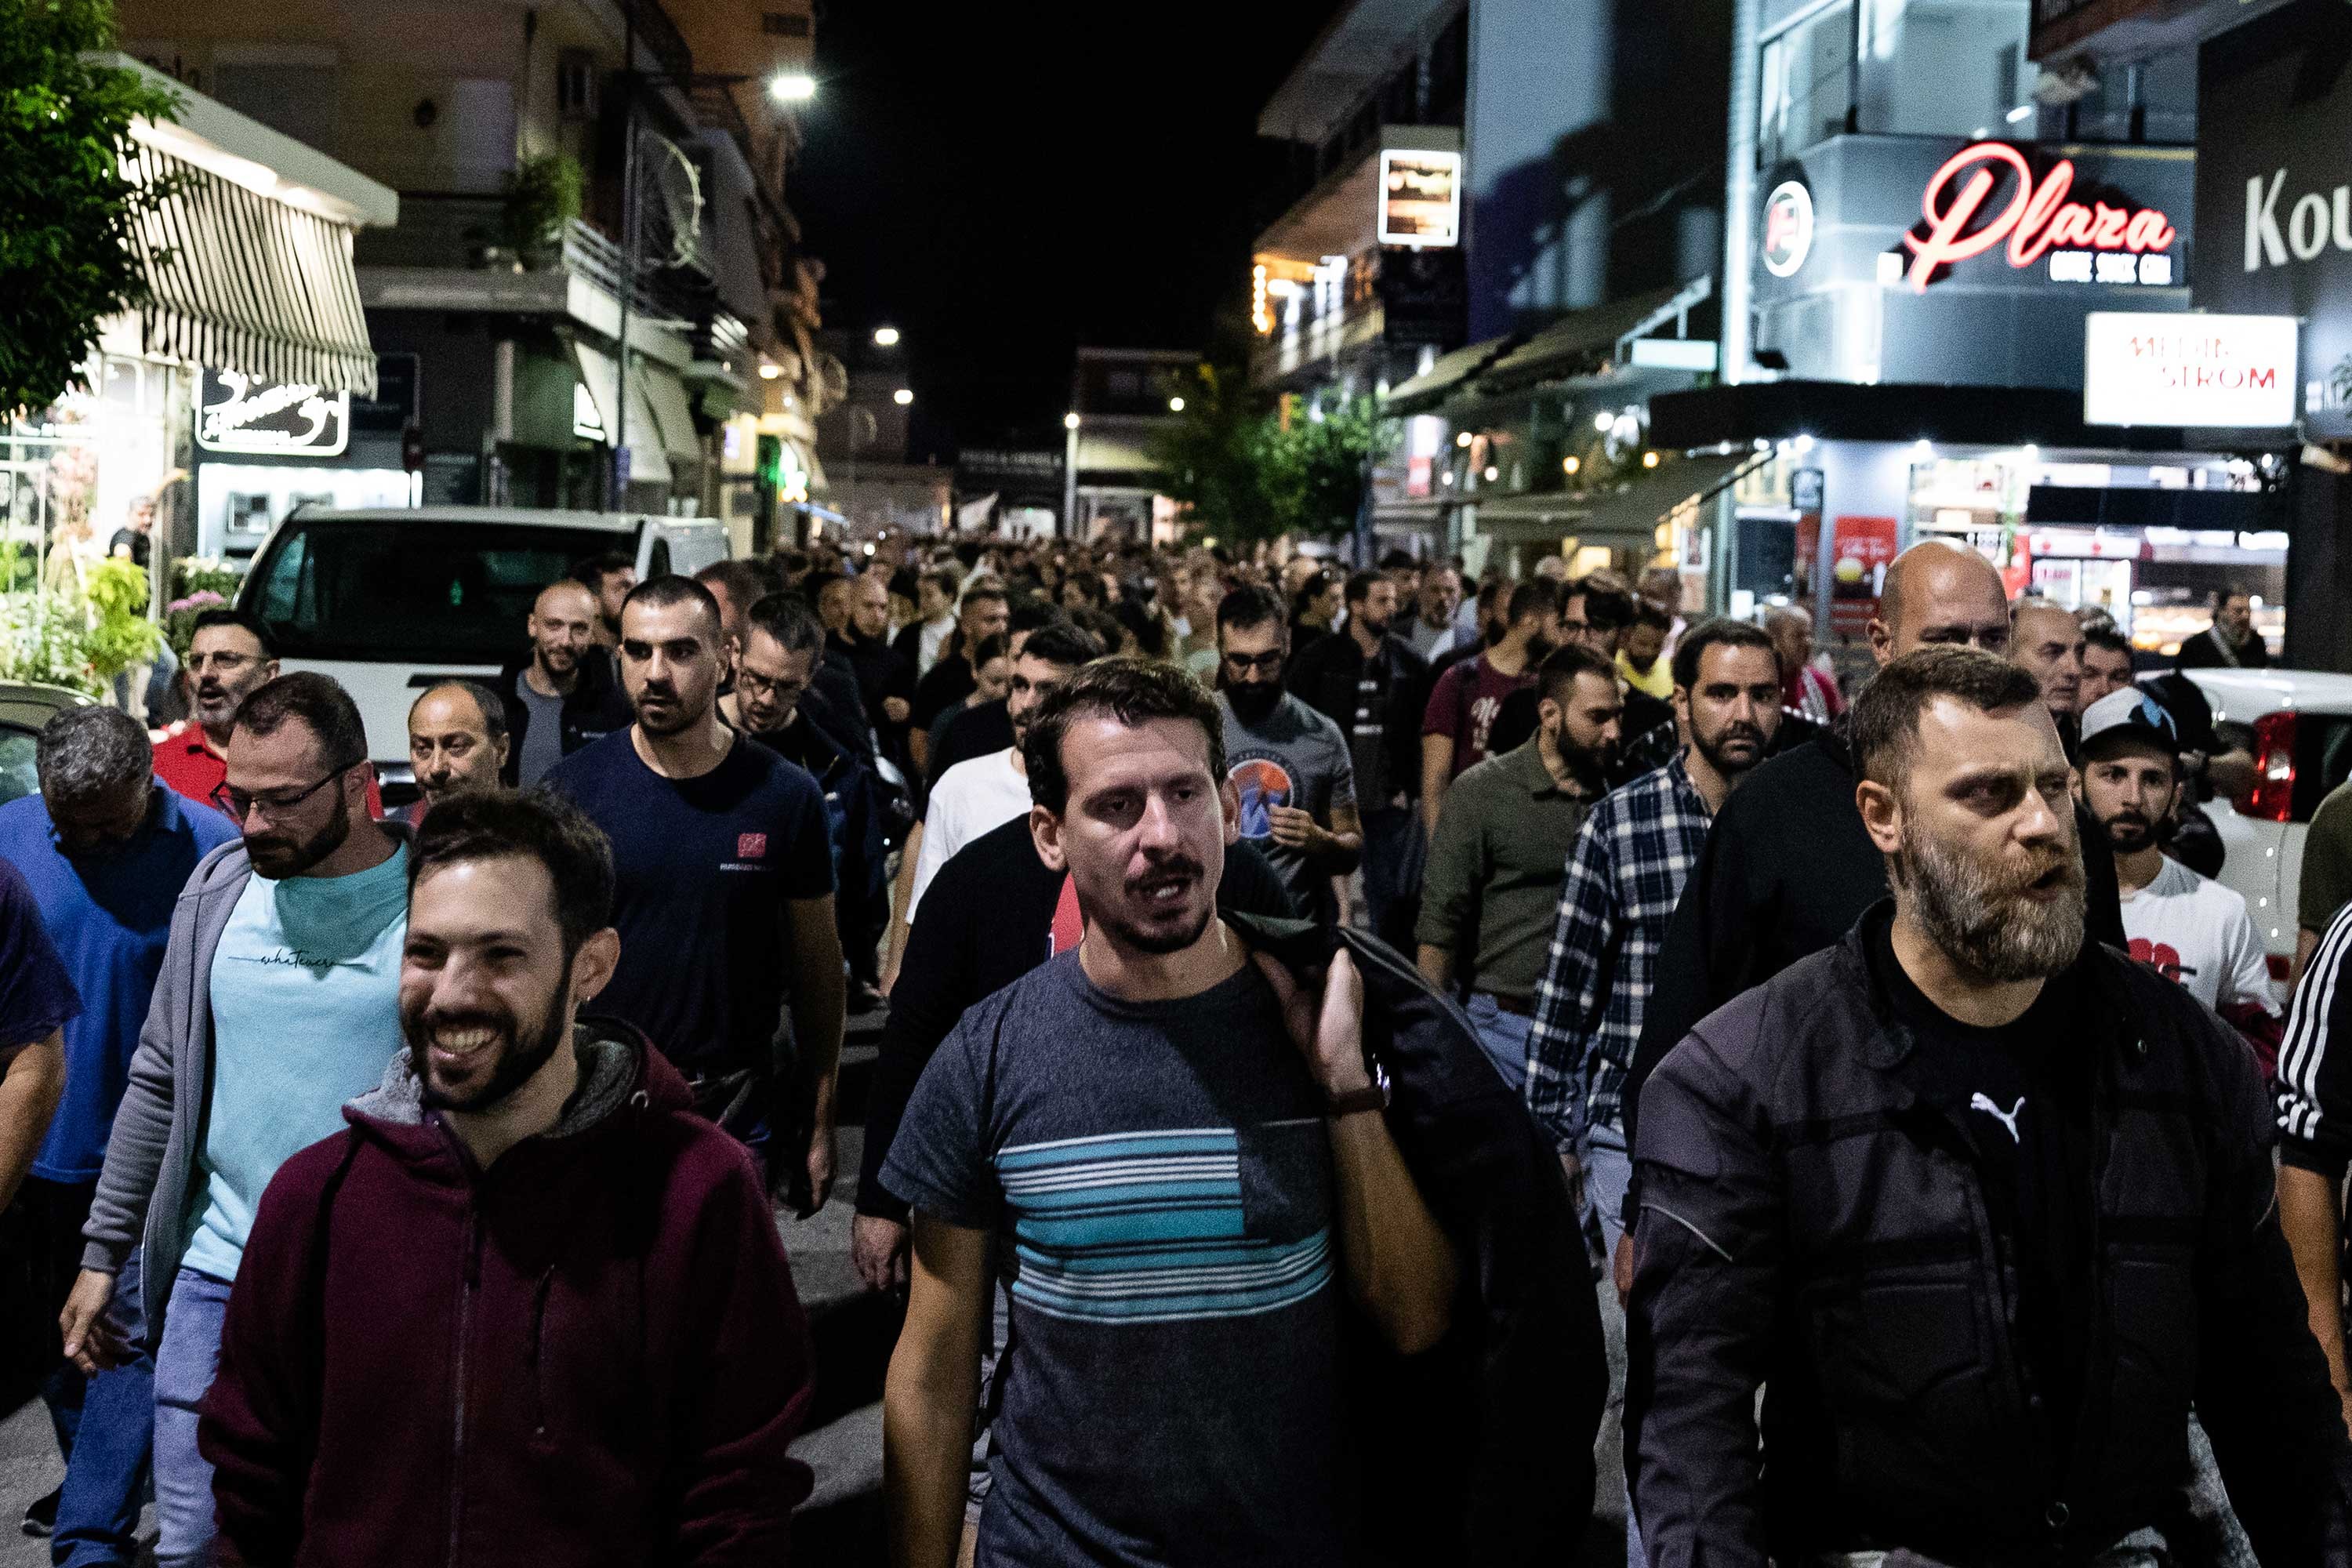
x,y
2129,715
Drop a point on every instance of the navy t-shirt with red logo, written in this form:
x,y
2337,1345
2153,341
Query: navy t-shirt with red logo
x,y
704,868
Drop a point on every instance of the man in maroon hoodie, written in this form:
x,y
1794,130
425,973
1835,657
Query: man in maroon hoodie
x,y
527,1308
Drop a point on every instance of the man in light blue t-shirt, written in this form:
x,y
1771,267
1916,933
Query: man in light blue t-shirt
x,y
278,1001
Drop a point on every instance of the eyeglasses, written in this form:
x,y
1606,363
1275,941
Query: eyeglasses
x,y
238,804
752,685
1267,663
226,663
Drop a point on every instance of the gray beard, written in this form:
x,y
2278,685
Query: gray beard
x,y
1987,929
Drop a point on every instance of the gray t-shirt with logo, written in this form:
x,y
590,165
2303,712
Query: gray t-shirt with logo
x,y
1296,757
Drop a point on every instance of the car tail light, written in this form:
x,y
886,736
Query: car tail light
x,y
2271,798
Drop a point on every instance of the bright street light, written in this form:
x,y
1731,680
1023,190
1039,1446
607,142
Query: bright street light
x,y
769,370
792,86
1175,405
885,337
1069,421
902,397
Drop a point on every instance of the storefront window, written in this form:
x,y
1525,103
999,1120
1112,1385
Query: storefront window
x,y
1807,83
1925,67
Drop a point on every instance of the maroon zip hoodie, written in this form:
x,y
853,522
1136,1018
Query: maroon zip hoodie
x,y
589,1353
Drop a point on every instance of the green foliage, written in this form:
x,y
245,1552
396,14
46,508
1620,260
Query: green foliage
x,y
66,210
46,637
1245,473
542,195
121,635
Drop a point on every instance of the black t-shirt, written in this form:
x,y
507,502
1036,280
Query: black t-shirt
x,y
137,540
943,686
2019,1097
979,730
704,868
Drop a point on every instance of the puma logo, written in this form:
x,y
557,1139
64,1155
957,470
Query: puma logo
x,y
2006,1117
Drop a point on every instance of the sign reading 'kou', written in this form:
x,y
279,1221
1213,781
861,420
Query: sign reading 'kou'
x,y
2036,219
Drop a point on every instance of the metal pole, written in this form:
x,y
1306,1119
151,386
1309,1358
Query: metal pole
x,y
1070,482
1739,193
628,243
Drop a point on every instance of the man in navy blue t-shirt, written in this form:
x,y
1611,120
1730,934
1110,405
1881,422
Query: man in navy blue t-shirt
x,y
723,885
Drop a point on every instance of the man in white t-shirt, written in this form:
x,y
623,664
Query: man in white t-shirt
x,y
986,793
2195,930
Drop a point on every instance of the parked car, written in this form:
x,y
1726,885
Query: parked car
x,y
389,601
2298,725
25,708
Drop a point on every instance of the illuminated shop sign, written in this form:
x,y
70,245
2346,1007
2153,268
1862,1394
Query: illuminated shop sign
x,y
1987,195
241,412
1788,228
1421,198
2189,370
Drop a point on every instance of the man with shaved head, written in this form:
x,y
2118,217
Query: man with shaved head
x,y
1788,869
562,694
456,739
2046,642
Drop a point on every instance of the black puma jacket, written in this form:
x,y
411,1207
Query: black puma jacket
x,y
1809,1225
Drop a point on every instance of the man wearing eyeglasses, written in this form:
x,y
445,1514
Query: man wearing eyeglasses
x,y
782,644
230,654
1289,762
279,1000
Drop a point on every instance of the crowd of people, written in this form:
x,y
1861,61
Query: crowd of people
x,y
1315,1001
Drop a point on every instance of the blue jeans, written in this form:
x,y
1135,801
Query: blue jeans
x,y
104,1425
185,1365
1503,1035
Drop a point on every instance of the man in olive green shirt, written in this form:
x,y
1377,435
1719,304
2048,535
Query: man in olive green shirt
x,y
1492,888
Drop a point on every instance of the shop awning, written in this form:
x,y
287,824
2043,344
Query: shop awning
x,y
672,416
1432,387
1628,515
1573,345
240,280
639,432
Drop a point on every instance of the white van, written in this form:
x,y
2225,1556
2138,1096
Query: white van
x,y
389,601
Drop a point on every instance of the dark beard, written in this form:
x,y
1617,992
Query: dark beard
x,y
1980,921
517,1066
1253,704
1712,749
277,858
2130,835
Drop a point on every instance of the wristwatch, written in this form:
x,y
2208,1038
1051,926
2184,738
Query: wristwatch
x,y
1373,1096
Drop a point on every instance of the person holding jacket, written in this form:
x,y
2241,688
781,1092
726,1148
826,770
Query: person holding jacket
x,y
1983,1207
525,1305
564,685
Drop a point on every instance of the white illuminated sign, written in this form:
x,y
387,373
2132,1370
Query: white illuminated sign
x,y
586,421
1421,198
241,412
2142,368
1788,228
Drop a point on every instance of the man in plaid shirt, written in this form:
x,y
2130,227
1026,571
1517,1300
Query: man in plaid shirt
x,y
1624,876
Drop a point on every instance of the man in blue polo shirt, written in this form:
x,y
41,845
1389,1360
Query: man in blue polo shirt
x,y
105,849
723,892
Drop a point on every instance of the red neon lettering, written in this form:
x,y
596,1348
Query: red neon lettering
x,y
2036,218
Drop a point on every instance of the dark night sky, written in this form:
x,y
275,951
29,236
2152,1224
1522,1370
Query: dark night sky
x,y
1004,182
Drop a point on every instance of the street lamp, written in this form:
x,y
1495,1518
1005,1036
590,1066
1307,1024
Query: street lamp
x,y
1070,475
885,337
1175,405
769,370
902,397
792,86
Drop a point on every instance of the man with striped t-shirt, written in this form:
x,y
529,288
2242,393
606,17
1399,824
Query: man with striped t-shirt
x,y
2315,1104
1182,1160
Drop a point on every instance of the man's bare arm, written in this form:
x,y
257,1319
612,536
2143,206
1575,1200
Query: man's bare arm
x,y
2311,1213
1437,773
931,1390
819,999
32,1081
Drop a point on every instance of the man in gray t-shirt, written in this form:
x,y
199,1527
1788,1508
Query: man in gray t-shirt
x,y
1288,762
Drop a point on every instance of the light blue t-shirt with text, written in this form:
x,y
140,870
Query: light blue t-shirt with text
x,y
306,1013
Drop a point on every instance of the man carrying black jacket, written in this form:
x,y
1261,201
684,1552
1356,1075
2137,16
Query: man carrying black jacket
x,y
992,922
1983,1208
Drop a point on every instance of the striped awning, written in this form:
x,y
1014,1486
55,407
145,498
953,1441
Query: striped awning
x,y
239,280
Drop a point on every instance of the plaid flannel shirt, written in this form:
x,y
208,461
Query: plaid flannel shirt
x,y
1624,876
